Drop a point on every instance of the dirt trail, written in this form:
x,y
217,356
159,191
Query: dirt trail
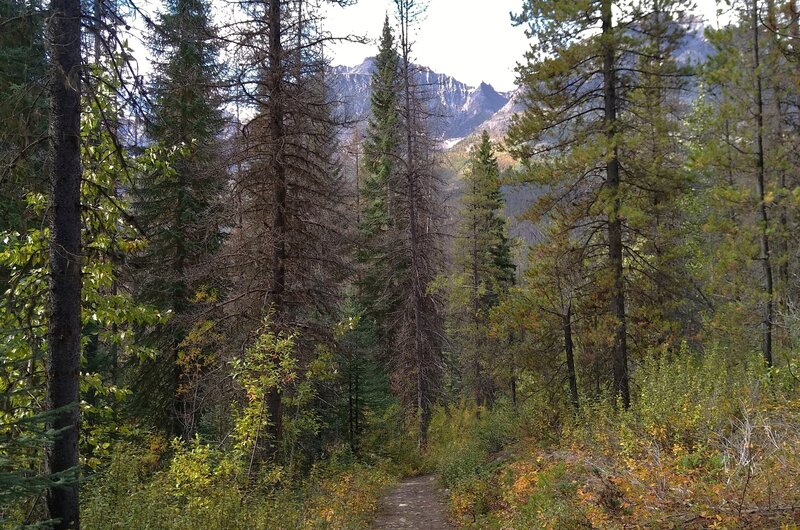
x,y
415,503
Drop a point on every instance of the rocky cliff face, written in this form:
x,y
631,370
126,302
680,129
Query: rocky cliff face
x,y
457,107
497,124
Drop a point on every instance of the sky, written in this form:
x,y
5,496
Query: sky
x,y
471,40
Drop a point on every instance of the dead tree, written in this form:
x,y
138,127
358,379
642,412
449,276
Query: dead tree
x,y
285,255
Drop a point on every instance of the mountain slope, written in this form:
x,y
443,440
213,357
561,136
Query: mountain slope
x,y
458,107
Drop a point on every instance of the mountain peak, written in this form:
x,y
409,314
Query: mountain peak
x,y
367,66
462,107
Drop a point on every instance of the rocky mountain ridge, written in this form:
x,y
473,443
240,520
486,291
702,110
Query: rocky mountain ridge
x,y
463,111
458,108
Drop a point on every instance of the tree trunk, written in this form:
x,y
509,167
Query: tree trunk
x,y
476,360
767,322
279,228
423,399
513,367
620,353
64,323
569,348
357,410
351,407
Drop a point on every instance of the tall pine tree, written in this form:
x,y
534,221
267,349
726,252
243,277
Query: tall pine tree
x,y
378,263
577,136
401,247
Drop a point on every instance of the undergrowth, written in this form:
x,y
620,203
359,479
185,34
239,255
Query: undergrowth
x,y
190,486
705,444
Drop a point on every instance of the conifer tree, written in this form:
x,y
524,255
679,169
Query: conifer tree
x,y
179,208
381,160
418,322
401,250
745,161
377,267
578,84
579,80
783,93
782,25
765,257
484,269
548,307
285,254
662,301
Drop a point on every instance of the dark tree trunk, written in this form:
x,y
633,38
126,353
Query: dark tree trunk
x,y
350,409
357,411
278,170
353,402
513,389
569,348
768,317
620,353
64,323
514,368
479,391
423,399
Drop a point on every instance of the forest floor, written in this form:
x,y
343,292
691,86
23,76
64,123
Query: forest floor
x,y
415,503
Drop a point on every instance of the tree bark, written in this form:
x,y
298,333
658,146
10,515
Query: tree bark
x,y
351,406
423,400
64,323
620,353
279,227
768,317
569,348
479,394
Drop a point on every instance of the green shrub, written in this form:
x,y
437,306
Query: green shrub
x,y
552,503
682,400
463,463
198,486
498,428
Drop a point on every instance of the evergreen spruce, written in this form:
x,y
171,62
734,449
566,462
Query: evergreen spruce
x,y
378,230
483,266
178,207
